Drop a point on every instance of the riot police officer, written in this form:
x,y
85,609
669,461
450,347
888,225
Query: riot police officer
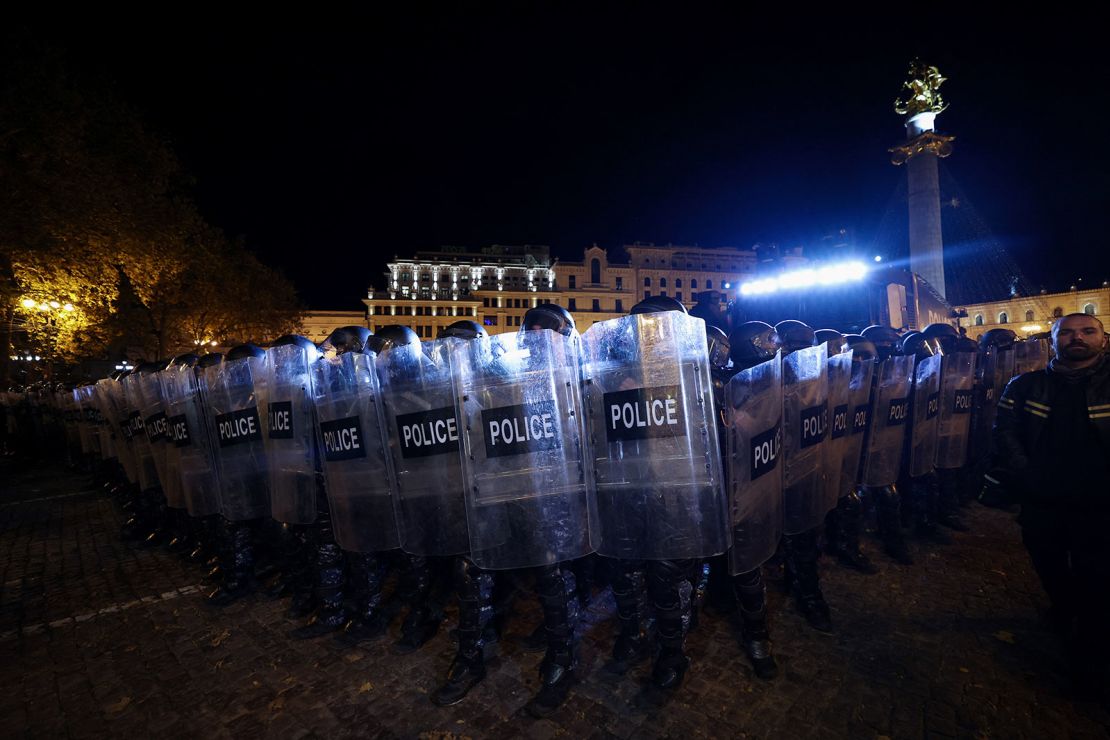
x,y
953,418
843,523
883,448
751,408
805,399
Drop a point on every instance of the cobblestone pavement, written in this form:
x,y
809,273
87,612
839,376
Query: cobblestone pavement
x,y
99,638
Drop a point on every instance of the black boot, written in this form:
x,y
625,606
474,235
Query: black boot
x,y
889,503
670,590
801,567
236,566
631,645
752,597
559,598
475,591
423,620
843,527
330,614
924,508
948,500
368,622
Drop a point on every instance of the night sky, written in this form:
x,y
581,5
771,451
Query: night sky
x,y
334,142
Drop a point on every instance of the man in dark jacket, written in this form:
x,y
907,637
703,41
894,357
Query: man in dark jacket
x,y
1052,449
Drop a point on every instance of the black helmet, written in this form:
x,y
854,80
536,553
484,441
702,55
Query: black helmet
x,y
549,316
146,368
186,360
884,338
753,342
997,338
658,304
388,337
465,329
718,346
862,347
795,335
915,343
246,349
346,339
966,344
832,337
209,360
297,339
941,337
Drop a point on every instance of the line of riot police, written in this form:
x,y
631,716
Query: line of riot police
x,y
653,454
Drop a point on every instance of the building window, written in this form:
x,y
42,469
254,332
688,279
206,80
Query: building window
x,y
490,321
978,319
647,294
694,284
647,282
662,282
1003,318
619,306
485,302
620,283
572,304
597,305
709,285
1089,309
678,282
1057,312
1029,315
678,295
595,270
663,293
571,280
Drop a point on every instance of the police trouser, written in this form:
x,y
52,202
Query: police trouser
x,y
474,587
668,586
555,586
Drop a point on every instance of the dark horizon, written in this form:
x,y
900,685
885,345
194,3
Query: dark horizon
x,y
333,145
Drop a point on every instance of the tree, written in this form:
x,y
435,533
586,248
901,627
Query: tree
x,y
101,247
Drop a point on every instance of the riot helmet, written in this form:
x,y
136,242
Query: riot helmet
x,y
209,360
718,346
862,347
833,338
885,339
187,359
388,337
658,304
997,338
966,344
795,335
465,329
916,344
942,338
753,342
549,316
245,350
297,339
346,339
146,368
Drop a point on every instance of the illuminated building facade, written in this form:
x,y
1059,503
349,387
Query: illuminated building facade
x,y
318,325
494,286
1027,315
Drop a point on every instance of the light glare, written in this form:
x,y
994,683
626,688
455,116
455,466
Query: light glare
x,y
828,275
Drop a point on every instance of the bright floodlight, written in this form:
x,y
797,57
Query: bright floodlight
x,y
878,258
845,272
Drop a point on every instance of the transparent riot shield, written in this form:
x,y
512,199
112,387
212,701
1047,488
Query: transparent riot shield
x,y
890,411
925,412
109,397
140,443
191,445
806,420
957,397
1005,370
522,431
90,420
753,423
654,441
290,433
157,435
355,460
1030,355
839,434
418,398
986,402
236,429
858,420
